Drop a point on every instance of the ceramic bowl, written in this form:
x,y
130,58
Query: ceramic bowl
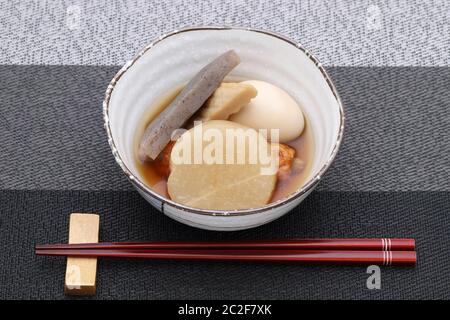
x,y
173,59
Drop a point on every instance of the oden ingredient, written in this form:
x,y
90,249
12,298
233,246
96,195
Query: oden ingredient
x,y
190,99
286,156
272,108
229,98
220,186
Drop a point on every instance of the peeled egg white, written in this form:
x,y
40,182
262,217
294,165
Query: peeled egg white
x,y
272,108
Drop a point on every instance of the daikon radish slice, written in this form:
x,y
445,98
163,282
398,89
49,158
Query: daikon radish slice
x,y
226,178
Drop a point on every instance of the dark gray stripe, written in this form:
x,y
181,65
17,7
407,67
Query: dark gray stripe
x,y
29,217
397,135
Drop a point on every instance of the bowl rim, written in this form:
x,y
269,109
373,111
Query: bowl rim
x,y
310,184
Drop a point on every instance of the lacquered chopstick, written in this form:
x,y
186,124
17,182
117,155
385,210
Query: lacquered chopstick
x,y
386,244
302,256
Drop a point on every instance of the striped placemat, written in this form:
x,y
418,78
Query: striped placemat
x,y
390,62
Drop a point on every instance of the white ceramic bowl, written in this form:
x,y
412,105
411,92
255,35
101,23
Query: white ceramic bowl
x,y
173,59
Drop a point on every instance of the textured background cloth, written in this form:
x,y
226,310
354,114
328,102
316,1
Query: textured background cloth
x,y
390,62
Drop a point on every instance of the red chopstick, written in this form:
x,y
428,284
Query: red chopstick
x,y
380,244
303,256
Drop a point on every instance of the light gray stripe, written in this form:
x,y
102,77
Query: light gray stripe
x,y
397,135
365,33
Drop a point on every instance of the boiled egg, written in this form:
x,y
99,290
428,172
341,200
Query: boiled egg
x,y
272,108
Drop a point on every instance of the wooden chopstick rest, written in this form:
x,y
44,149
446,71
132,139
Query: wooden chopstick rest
x,y
81,272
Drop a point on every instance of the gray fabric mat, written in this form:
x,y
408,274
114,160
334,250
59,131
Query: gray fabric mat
x,y
30,217
350,33
391,179
396,138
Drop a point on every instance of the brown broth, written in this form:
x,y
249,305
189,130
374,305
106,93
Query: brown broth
x,y
303,145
